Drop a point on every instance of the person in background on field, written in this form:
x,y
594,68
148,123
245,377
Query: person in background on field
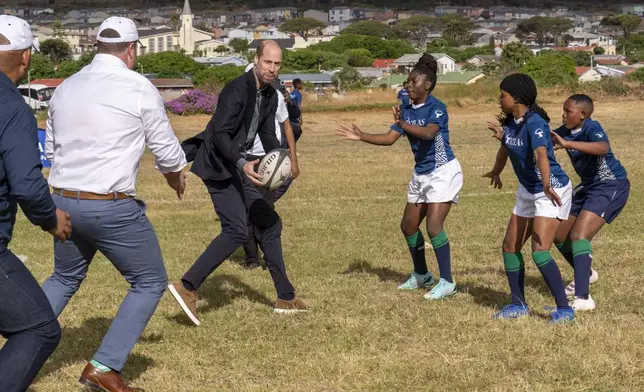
x,y
403,96
597,200
543,197
296,95
436,180
27,320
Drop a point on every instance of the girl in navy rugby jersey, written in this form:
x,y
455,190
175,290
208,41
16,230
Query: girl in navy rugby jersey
x,y
436,180
543,197
600,197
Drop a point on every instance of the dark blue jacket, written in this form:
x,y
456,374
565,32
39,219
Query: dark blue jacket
x,y
21,179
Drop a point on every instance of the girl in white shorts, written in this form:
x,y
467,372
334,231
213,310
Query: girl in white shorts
x,y
543,198
436,180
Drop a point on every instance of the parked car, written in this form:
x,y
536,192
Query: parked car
x,y
37,96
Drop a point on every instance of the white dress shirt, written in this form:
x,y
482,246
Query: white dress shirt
x,y
100,121
281,115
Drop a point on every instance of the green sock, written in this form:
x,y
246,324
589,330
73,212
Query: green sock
x,y
99,366
416,244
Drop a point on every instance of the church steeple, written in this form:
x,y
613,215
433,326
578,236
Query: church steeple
x,y
186,8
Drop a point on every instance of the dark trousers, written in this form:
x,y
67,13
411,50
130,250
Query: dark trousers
x,y
237,202
26,321
250,247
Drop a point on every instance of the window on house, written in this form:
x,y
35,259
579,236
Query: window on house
x,y
151,45
159,44
168,43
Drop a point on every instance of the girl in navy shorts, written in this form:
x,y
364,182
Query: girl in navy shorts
x,y
598,199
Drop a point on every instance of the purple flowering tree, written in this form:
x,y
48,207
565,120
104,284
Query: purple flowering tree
x,y
193,102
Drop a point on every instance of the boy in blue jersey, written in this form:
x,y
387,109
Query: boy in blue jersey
x,y
403,96
543,198
598,199
436,181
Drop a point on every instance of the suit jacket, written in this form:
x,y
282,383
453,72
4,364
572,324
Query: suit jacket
x,y
217,149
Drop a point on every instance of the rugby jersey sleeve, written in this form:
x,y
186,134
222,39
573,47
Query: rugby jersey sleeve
x,y
596,133
538,133
438,115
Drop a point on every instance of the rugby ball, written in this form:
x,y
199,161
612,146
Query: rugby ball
x,y
275,168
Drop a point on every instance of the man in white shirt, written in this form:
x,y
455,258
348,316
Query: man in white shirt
x,y
100,121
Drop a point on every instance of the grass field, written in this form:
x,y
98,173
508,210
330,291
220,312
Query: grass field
x,y
345,254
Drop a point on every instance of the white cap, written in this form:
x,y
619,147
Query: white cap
x,y
124,26
18,32
249,67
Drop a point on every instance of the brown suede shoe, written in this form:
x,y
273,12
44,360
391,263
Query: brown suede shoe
x,y
295,305
187,300
105,381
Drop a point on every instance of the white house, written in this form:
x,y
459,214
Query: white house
x,y
188,38
588,74
340,14
405,63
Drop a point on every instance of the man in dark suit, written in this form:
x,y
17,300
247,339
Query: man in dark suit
x,y
246,108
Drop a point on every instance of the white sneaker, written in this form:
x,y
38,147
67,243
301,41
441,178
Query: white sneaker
x,y
580,304
570,289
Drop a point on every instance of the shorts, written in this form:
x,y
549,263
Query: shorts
x,y
606,199
440,186
530,206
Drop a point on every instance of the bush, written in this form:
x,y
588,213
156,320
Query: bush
x,y
637,76
607,86
193,102
551,69
217,77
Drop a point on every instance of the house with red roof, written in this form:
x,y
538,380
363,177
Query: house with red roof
x,y
384,64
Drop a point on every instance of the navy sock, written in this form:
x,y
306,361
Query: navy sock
x,y
416,244
515,271
583,254
552,276
565,248
442,251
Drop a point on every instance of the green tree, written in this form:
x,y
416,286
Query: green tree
x,y
379,48
457,28
239,45
217,77
41,67
67,68
221,49
369,27
551,69
348,79
418,27
302,26
545,28
309,58
492,43
581,59
598,50
174,21
58,50
628,23
169,64
58,29
359,58
515,55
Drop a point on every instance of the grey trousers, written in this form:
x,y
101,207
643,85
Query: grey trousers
x,y
120,230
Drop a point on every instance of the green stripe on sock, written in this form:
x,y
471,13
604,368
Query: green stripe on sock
x,y
541,258
415,239
513,261
439,240
581,247
565,246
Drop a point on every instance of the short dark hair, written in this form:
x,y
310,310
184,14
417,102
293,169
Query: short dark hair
x,y
297,82
405,83
111,47
585,101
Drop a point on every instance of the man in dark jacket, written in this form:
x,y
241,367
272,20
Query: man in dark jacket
x,y
26,318
246,108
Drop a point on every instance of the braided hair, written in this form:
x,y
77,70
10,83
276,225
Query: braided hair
x,y
427,66
523,89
